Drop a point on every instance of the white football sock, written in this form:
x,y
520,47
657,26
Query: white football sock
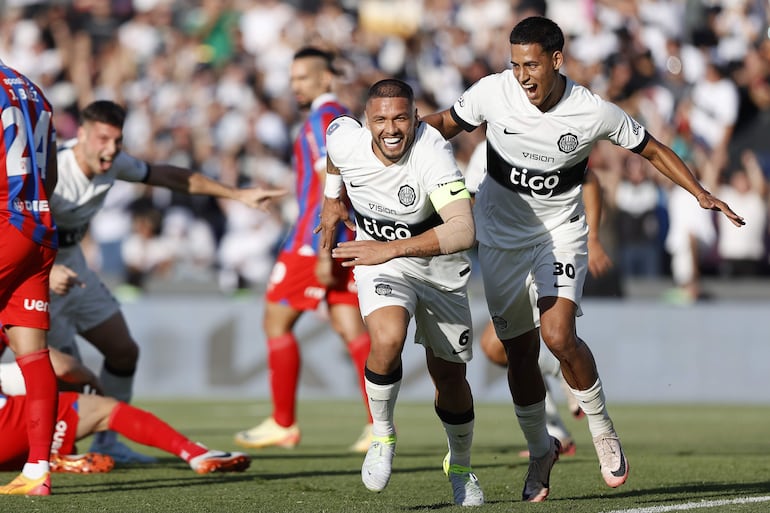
x,y
532,421
459,440
593,404
382,404
36,470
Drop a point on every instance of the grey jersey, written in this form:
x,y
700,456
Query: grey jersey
x,y
393,202
536,161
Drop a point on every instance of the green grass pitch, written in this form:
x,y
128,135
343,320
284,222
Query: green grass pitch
x,y
678,455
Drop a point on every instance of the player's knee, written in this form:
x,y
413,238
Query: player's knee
x,y
449,377
454,388
123,356
384,355
559,341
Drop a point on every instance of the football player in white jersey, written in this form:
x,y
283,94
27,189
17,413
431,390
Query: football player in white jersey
x,y
541,127
80,303
599,263
414,221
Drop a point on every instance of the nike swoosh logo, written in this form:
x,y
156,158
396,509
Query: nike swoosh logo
x,y
460,351
458,191
508,132
559,286
621,471
355,185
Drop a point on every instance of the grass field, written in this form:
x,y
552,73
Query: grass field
x,y
679,456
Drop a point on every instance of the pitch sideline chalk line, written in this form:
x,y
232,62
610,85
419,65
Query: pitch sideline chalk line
x,y
693,505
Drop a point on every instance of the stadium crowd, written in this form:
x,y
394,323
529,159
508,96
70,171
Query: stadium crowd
x,y
205,86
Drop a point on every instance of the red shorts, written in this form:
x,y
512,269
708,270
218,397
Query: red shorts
x,y
24,269
293,283
13,429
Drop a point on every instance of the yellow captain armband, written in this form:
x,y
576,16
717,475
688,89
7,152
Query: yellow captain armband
x,y
448,193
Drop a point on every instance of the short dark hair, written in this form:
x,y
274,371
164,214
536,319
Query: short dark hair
x,y
104,111
391,88
540,30
315,52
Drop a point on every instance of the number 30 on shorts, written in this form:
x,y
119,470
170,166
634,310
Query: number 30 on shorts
x,y
565,269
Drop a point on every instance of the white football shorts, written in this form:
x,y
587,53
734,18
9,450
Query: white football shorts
x,y
442,318
514,279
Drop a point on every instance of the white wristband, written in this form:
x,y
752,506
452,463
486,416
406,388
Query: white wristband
x,y
333,186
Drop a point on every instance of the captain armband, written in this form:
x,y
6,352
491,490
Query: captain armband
x,y
448,193
333,186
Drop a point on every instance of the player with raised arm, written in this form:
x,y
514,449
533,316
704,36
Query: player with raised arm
x,y
532,232
414,221
81,304
303,276
27,250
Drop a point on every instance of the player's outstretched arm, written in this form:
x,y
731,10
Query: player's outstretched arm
x,y
667,162
192,182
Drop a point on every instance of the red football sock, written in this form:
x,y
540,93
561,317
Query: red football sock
x,y
284,361
145,428
42,402
359,352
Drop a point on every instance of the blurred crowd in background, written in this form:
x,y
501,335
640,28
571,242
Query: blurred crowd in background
x,y
206,86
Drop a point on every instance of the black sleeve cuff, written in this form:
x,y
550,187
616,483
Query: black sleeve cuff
x,y
640,147
460,121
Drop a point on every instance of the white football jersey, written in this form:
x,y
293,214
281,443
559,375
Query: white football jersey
x,y
392,202
77,198
536,161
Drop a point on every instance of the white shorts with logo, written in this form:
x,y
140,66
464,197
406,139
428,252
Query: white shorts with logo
x,y
514,279
442,318
82,308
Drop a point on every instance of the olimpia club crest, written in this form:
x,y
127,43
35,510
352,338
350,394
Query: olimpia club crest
x,y
568,143
499,322
406,195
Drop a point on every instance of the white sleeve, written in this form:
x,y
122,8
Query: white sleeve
x,y
437,164
623,130
339,138
469,106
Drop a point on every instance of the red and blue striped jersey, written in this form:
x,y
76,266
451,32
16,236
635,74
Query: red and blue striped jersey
x,y
28,142
310,155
